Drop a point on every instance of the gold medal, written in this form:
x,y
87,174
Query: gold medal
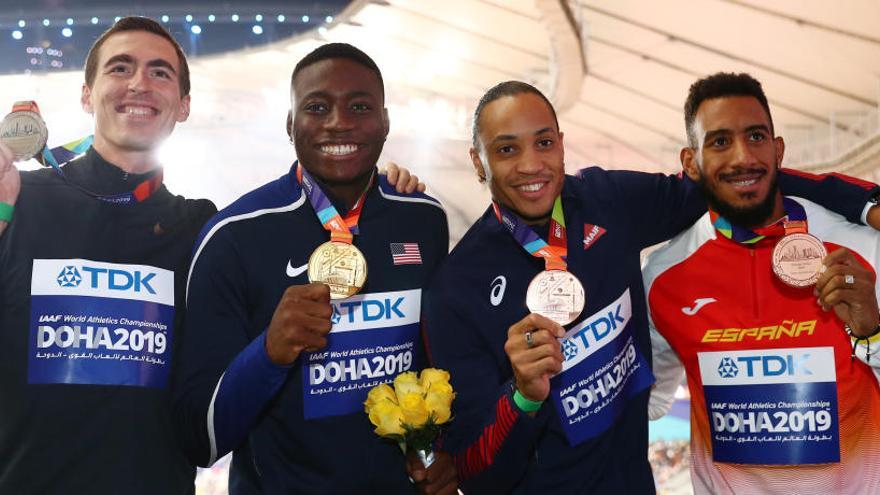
x,y
24,131
556,294
341,266
797,259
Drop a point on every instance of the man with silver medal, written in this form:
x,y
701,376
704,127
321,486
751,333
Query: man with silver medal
x,y
65,232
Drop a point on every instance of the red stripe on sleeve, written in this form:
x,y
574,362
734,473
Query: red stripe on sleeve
x,y
480,454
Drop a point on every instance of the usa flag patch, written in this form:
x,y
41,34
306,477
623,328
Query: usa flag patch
x,y
406,253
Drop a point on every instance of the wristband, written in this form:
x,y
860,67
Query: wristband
x,y
6,210
525,405
857,339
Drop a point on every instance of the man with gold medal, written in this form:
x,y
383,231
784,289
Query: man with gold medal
x,y
539,311
287,328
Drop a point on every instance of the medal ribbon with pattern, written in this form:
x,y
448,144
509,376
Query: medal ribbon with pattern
x,y
797,256
554,252
554,292
795,221
341,229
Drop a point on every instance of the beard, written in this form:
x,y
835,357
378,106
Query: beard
x,y
749,216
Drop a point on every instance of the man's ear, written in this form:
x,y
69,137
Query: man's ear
x,y
290,125
184,109
688,159
386,122
780,150
85,99
478,164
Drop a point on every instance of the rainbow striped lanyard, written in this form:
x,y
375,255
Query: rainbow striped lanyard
x,y
341,229
795,220
555,252
60,155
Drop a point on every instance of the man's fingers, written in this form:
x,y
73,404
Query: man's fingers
x,y
309,292
841,255
534,321
6,157
539,368
391,171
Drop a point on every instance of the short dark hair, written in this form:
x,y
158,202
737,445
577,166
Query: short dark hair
x,y
338,50
506,88
720,85
136,23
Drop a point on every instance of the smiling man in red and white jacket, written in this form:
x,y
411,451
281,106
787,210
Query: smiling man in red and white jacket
x,y
779,404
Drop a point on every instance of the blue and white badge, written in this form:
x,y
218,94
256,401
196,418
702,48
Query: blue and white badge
x,y
602,370
374,339
774,406
100,323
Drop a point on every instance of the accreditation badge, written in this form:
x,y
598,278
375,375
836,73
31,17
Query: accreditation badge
x,y
603,369
95,323
772,406
374,338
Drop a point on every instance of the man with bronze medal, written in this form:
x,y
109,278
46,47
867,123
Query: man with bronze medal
x,y
784,391
287,327
90,251
539,311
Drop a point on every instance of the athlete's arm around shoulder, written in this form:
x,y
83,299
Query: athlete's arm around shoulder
x,y
657,206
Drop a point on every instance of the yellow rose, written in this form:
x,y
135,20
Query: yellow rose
x,y
407,383
387,417
433,375
441,388
378,394
439,402
415,411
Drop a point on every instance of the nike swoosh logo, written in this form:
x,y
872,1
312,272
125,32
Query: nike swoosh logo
x,y
296,272
698,304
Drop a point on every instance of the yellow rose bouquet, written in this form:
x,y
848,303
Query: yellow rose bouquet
x,y
411,413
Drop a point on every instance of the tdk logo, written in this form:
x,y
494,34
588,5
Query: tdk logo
x,y
600,327
335,317
766,365
69,277
727,368
569,349
112,279
369,310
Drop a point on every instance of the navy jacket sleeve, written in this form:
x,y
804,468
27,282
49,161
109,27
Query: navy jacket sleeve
x,y
226,378
661,205
839,193
491,439
664,205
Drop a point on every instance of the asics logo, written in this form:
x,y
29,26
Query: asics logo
x,y
296,272
698,305
496,294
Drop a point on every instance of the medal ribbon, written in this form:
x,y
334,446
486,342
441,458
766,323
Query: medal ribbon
x,y
795,220
554,252
60,155
341,229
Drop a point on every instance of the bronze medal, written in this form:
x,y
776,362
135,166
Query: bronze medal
x,y
24,132
341,266
797,259
556,294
